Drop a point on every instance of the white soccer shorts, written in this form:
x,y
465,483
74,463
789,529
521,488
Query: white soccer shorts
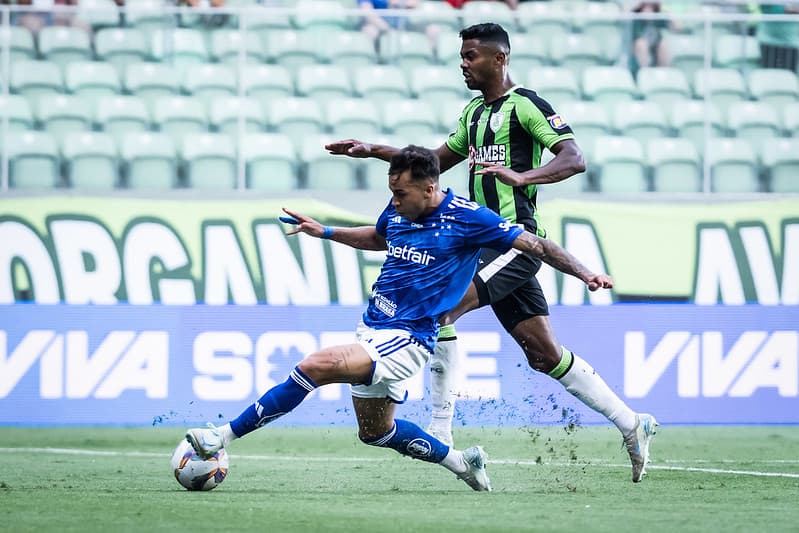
x,y
397,357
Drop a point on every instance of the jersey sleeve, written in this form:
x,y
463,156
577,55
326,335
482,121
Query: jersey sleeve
x,y
489,230
458,142
543,123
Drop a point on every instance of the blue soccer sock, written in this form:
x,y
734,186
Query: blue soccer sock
x,y
275,403
411,440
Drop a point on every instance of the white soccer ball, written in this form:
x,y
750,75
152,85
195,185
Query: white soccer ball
x,y
196,473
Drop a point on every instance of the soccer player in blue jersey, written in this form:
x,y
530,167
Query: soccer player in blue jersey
x,y
433,239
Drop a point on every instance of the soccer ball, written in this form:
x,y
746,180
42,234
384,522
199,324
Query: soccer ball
x,y
196,473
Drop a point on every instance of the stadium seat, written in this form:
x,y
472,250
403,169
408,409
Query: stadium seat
x,y
546,20
33,79
323,171
227,45
121,47
20,42
151,81
297,118
321,17
781,159
608,85
554,84
148,16
725,86
477,11
323,82
643,120
589,121
267,83
179,47
210,160
409,119
34,162
293,49
663,85
405,49
121,115
375,171
91,160
602,24
92,79
18,111
178,116
621,165
442,14
449,113
271,162
688,118
733,166
209,80
149,160
64,44
790,119
775,86
64,114
755,121
529,52
448,50
736,51
349,49
576,52
676,166
437,85
355,118
226,111
380,83
98,13
262,19
687,52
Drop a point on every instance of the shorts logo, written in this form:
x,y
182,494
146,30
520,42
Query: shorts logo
x,y
496,121
557,122
419,448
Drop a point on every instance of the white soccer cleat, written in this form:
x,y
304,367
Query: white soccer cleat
x,y
205,441
475,476
637,443
443,435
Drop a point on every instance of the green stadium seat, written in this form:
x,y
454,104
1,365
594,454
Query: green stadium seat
x,y
576,52
790,119
225,113
226,47
380,83
688,118
733,166
121,47
725,86
643,120
529,52
375,171
603,25
92,79
64,44
297,118
448,50
547,20
91,160
736,51
271,162
262,19
554,84
121,115
98,13
323,82
178,116
151,81
64,114
755,121
210,160
663,85
148,16
179,47
438,13
589,121
20,42
608,85
268,83
437,85
207,81
687,52
775,86
676,166
409,119
781,159
18,111
324,171
293,49
355,118
34,162
349,49
449,113
477,11
149,160
405,49
621,165
322,16
33,79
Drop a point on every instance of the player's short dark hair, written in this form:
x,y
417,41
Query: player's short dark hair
x,y
487,32
422,163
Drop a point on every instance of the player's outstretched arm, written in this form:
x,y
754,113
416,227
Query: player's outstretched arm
x,y
360,149
361,237
560,258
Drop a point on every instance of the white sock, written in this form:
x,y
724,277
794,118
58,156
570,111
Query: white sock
x,y
454,461
227,434
587,386
444,367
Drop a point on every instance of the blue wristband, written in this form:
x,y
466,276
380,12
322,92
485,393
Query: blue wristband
x,y
328,232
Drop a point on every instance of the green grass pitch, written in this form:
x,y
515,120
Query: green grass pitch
x,y
323,479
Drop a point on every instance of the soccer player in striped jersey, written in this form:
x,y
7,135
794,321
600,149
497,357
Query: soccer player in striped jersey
x,y
503,132
433,240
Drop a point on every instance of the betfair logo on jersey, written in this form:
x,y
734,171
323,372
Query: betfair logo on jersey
x,y
493,153
409,254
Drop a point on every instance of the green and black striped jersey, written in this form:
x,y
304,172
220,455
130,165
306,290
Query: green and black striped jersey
x,y
513,131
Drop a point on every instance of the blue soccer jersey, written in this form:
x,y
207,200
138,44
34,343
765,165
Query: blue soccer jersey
x,y
430,263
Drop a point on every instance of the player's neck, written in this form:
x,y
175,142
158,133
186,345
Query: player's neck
x,y
497,90
433,203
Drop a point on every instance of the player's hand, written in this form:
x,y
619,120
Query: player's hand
x,y
504,174
599,281
350,147
302,224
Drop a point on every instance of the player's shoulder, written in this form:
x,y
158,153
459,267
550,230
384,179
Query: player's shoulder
x,y
531,100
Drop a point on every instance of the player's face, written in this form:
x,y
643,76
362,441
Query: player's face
x,y
410,197
479,64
